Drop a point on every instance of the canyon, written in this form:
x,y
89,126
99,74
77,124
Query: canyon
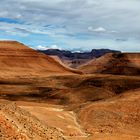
x,y
43,98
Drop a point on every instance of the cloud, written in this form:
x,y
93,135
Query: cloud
x,y
64,21
99,29
40,47
24,31
55,47
121,39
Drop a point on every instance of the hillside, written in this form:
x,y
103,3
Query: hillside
x,y
114,63
18,59
66,89
81,106
117,118
56,102
16,123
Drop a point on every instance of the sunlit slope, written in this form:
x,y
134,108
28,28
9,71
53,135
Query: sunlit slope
x,y
16,58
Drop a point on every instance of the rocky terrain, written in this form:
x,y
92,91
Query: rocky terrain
x,y
16,123
75,59
117,117
41,98
114,63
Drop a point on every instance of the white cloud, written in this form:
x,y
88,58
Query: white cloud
x,y
113,31
55,47
99,29
40,47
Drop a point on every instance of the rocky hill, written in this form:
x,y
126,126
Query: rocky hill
x,y
114,63
74,59
18,59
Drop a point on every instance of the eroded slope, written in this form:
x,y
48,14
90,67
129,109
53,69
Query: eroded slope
x,y
66,90
117,117
18,59
114,63
16,123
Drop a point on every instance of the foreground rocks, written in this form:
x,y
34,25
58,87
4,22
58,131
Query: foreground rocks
x,y
18,124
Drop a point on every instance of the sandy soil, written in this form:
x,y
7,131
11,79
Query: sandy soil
x,y
55,102
116,118
16,123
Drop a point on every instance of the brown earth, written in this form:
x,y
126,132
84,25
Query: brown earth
x,y
16,123
66,90
71,65
18,59
114,63
54,102
114,118
75,104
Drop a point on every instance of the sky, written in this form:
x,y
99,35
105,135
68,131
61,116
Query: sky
x,y
72,24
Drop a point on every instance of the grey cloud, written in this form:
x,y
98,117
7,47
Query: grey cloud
x,y
24,31
118,18
77,13
121,39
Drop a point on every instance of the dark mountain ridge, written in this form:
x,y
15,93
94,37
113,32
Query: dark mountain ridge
x,y
94,53
75,59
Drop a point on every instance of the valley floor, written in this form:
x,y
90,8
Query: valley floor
x,y
95,107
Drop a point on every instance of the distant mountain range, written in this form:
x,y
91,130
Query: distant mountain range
x,y
95,53
74,59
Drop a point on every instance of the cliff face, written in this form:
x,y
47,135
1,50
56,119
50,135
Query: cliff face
x,y
19,59
114,63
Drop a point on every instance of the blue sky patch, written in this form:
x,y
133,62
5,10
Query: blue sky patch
x,y
9,20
